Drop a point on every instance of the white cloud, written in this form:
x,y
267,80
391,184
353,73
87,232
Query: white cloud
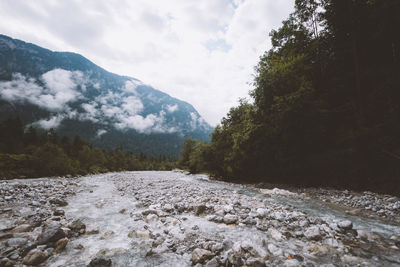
x,y
58,90
172,108
47,124
132,105
100,132
202,52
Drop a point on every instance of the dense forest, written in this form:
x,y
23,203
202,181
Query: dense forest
x,y
26,153
326,105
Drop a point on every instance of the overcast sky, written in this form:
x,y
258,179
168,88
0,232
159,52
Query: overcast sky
x,y
200,51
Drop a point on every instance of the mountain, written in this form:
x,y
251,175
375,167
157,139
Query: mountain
x,y
71,94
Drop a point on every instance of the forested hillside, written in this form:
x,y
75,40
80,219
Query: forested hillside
x,y
325,109
32,153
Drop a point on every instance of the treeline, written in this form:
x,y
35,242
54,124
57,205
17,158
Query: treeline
x,y
326,105
31,153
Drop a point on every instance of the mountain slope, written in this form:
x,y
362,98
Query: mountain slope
x,y
69,93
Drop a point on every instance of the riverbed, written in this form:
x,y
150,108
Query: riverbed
x,y
177,219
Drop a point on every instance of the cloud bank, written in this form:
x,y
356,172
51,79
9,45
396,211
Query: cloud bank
x,y
122,109
58,89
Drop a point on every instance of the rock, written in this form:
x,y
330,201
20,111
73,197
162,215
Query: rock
x,y
13,256
100,261
149,211
349,259
25,249
61,244
16,242
168,208
274,250
275,234
354,212
345,225
261,213
35,257
58,212
199,209
108,234
230,218
313,233
151,218
58,202
201,255
255,262
5,236
316,249
367,236
228,208
93,231
217,247
237,247
51,234
5,262
212,263
292,263
78,227
331,242
122,211
22,228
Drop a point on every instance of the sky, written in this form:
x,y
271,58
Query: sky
x,y
200,51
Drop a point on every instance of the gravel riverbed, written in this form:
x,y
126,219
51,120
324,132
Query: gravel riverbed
x,y
175,219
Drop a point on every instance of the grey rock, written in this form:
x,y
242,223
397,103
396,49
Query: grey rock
x,y
149,211
100,261
50,234
16,242
230,218
201,255
58,201
275,234
5,236
345,225
59,212
212,263
313,233
255,262
77,226
274,250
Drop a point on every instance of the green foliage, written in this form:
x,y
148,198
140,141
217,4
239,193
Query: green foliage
x,y
325,110
31,154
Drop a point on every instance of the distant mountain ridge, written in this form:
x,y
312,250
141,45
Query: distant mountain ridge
x,y
69,93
